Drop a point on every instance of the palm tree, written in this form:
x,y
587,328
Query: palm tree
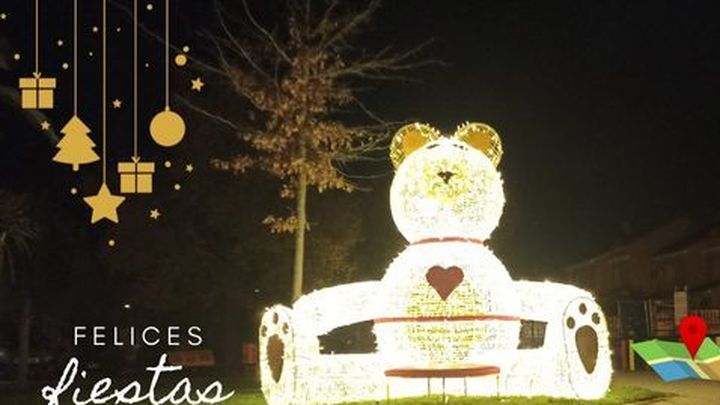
x,y
17,233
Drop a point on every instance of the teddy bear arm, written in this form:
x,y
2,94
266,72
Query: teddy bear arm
x,y
330,308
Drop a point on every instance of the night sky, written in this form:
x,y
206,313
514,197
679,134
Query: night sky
x,y
608,111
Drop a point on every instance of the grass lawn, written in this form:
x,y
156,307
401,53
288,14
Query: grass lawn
x,y
618,395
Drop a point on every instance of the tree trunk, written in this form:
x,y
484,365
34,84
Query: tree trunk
x,y
24,341
3,238
301,201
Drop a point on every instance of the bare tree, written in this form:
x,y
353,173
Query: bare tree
x,y
296,78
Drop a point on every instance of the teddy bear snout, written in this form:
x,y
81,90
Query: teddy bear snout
x,y
446,175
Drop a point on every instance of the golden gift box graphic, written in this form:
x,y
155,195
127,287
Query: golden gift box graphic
x,y
136,177
37,92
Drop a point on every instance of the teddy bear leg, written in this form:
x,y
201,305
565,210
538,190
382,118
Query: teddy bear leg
x,y
574,359
587,348
276,352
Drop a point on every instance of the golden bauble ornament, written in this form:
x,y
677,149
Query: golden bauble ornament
x,y
167,128
180,60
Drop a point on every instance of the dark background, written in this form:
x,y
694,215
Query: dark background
x,y
608,111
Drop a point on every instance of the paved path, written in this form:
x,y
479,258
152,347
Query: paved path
x,y
687,392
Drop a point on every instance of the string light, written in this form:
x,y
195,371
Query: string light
x,y
446,302
426,205
421,330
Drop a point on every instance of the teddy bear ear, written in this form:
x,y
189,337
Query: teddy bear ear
x,y
410,138
481,137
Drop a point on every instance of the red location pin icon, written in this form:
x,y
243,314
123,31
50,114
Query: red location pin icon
x,y
692,332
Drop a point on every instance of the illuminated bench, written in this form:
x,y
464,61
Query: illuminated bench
x,y
443,373
295,372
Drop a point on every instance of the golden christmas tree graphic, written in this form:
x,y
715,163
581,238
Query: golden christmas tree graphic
x,y
76,147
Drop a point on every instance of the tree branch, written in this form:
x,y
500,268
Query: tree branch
x,y
159,38
215,117
356,20
269,36
237,46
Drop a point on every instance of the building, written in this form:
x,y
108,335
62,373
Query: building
x,y
626,271
648,283
693,262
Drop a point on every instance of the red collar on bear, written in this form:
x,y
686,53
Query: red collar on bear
x,y
449,239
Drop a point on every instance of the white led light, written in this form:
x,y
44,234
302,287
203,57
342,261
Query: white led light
x,y
426,205
445,303
421,330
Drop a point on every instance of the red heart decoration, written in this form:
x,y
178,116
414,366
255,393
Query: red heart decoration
x,y
445,280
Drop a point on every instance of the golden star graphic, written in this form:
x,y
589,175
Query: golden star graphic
x,y
117,103
104,205
45,125
155,213
197,84
189,168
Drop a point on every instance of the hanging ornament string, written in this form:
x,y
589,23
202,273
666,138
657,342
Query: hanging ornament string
x,y
167,55
76,146
104,92
37,93
37,39
75,57
104,204
136,155
135,176
167,127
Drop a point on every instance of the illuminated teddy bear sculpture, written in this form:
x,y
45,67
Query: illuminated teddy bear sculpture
x,y
448,317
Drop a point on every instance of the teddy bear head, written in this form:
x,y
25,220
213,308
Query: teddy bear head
x,y
446,187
